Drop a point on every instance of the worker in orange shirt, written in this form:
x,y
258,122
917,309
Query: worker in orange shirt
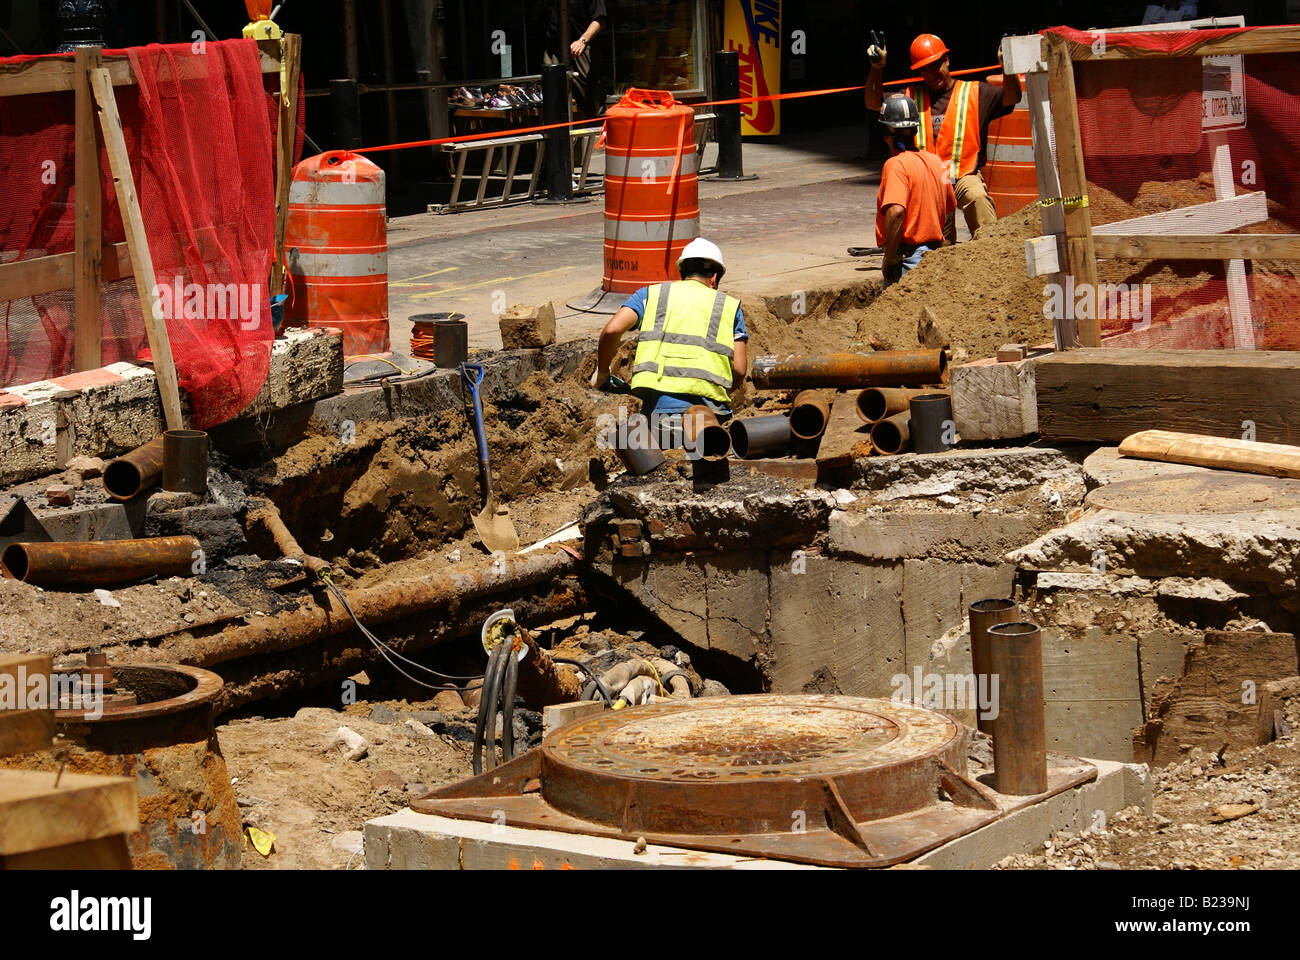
x,y
915,197
955,118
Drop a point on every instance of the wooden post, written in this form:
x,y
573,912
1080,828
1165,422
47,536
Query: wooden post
x,y
137,242
287,131
87,349
1052,216
1225,187
1074,181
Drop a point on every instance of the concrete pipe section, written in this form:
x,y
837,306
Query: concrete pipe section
x,y
828,780
154,724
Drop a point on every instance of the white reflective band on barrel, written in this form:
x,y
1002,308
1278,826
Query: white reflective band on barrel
x,y
1010,153
655,168
651,231
330,193
337,264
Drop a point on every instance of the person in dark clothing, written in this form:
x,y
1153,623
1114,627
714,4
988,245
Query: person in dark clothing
x,y
586,19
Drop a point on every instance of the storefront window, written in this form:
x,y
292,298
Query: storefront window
x,y
657,44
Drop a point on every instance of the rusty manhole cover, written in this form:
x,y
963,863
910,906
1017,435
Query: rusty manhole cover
x,y
1198,493
832,780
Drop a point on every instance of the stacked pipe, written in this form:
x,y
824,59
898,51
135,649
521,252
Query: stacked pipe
x,y
902,415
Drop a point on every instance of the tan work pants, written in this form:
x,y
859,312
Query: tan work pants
x,y
974,203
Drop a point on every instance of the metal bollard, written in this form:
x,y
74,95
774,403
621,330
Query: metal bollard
x,y
726,86
559,151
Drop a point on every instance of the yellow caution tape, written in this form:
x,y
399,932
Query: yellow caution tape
x,y
262,842
1072,203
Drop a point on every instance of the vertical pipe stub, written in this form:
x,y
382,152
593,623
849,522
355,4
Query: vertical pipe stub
x,y
932,425
984,614
185,461
1019,730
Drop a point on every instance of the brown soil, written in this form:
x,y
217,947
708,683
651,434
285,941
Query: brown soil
x,y
405,487
1182,833
977,291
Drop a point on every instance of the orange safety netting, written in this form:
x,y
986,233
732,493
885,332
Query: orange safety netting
x,y
198,132
1152,129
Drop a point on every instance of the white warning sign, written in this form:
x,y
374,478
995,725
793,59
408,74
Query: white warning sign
x,y
1223,93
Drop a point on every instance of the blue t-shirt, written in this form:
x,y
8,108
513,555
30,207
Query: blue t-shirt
x,y
666,404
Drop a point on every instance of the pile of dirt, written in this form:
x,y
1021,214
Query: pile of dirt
x,y
977,291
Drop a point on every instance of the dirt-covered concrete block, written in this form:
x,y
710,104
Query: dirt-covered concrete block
x,y
527,327
994,401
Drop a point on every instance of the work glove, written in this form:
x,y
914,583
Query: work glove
x,y
599,379
876,52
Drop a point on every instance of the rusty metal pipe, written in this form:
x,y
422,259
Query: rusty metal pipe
x,y
984,614
714,442
268,514
134,472
99,562
324,616
1015,659
880,403
810,413
887,368
892,434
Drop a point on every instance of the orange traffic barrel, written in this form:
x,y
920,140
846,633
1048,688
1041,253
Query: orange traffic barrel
x,y
336,245
652,192
1009,172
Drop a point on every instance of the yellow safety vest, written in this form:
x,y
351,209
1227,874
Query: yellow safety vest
x,y
684,344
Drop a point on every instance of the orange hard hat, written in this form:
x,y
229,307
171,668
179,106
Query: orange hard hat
x,y
926,49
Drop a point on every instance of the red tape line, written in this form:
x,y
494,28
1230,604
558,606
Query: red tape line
x,y
469,138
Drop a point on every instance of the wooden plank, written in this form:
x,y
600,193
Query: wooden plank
x,y
87,324
1217,216
846,438
1082,258
1043,256
1219,453
106,853
50,75
35,815
138,241
1199,246
284,142
1104,395
24,726
1051,216
1225,188
1281,39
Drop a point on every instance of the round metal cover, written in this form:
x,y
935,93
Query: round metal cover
x,y
746,764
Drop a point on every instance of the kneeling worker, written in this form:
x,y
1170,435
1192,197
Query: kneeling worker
x,y
915,196
690,341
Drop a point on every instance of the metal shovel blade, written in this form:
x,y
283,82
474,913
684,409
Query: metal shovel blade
x,y
495,528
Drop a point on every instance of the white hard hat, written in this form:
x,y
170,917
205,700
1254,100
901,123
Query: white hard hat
x,y
701,249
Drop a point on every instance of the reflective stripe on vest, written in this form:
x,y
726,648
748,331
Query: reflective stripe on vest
x,y
685,344
961,125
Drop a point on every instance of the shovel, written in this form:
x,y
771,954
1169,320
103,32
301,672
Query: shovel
x,y
493,523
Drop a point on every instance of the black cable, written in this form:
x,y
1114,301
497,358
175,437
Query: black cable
x,y
591,674
381,647
508,704
488,705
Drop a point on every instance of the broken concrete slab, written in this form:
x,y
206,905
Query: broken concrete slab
x,y
993,471
994,400
956,535
1257,550
306,365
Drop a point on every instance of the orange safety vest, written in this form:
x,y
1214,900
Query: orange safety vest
x,y
961,125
